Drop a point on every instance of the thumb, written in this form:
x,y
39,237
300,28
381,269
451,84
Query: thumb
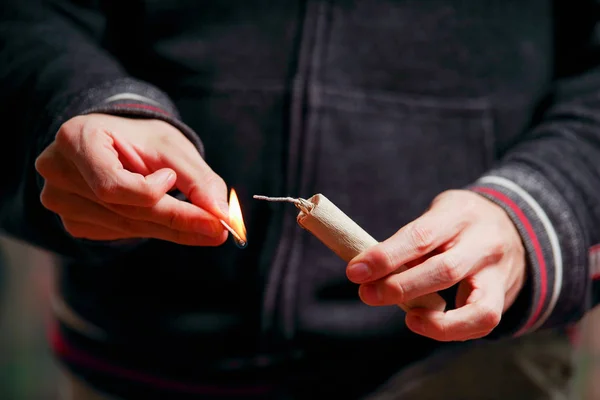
x,y
208,191
101,168
120,186
201,185
161,181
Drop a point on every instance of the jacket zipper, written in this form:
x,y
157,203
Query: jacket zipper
x,y
298,103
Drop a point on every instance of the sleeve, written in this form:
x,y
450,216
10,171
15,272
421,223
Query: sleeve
x,y
52,68
549,184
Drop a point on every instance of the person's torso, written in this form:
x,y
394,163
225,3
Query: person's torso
x,y
379,105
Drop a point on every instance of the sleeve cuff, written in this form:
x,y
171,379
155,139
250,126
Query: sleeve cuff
x,y
125,97
556,290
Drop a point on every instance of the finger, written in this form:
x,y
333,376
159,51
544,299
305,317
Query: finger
x,y
84,230
176,215
417,239
199,183
169,211
421,260
60,172
462,294
76,208
94,154
477,318
473,250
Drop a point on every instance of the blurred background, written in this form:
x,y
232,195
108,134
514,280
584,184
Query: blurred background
x,y
28,371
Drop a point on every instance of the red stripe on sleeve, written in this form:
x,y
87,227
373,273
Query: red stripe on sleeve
x,y
73,355
536,246
141,106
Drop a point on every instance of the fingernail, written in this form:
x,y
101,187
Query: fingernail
x,y
370,294
164,177
359,272
209,228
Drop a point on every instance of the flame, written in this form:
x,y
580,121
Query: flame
x,y
236,220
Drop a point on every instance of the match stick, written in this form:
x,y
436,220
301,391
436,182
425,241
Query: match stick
x,y
239,242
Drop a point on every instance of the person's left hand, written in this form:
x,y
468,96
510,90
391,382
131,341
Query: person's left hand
x,y
462,239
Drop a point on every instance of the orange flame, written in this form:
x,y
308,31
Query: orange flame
x,y
236,220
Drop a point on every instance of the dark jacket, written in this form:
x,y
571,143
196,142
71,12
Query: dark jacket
x,y
378,104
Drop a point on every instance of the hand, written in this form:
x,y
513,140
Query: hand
x,y
462,239
107,178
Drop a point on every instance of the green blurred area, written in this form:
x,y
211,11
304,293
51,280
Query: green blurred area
x,y
27,370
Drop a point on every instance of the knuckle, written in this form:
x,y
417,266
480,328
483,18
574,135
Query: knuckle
x,y
48,199
68,132
382,259
398,291
91,133
422,238
495,251
64,135
94,131
490,318
43,164
450,268
105,189
166,135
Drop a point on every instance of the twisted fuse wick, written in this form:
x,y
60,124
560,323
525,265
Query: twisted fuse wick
x,y
302,204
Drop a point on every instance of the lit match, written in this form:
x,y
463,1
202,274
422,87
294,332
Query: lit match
x,y
236,221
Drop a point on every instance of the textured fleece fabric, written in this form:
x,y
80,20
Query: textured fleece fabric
x,y
378,104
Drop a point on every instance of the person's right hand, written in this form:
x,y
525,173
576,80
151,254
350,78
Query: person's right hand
x,y
108,178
